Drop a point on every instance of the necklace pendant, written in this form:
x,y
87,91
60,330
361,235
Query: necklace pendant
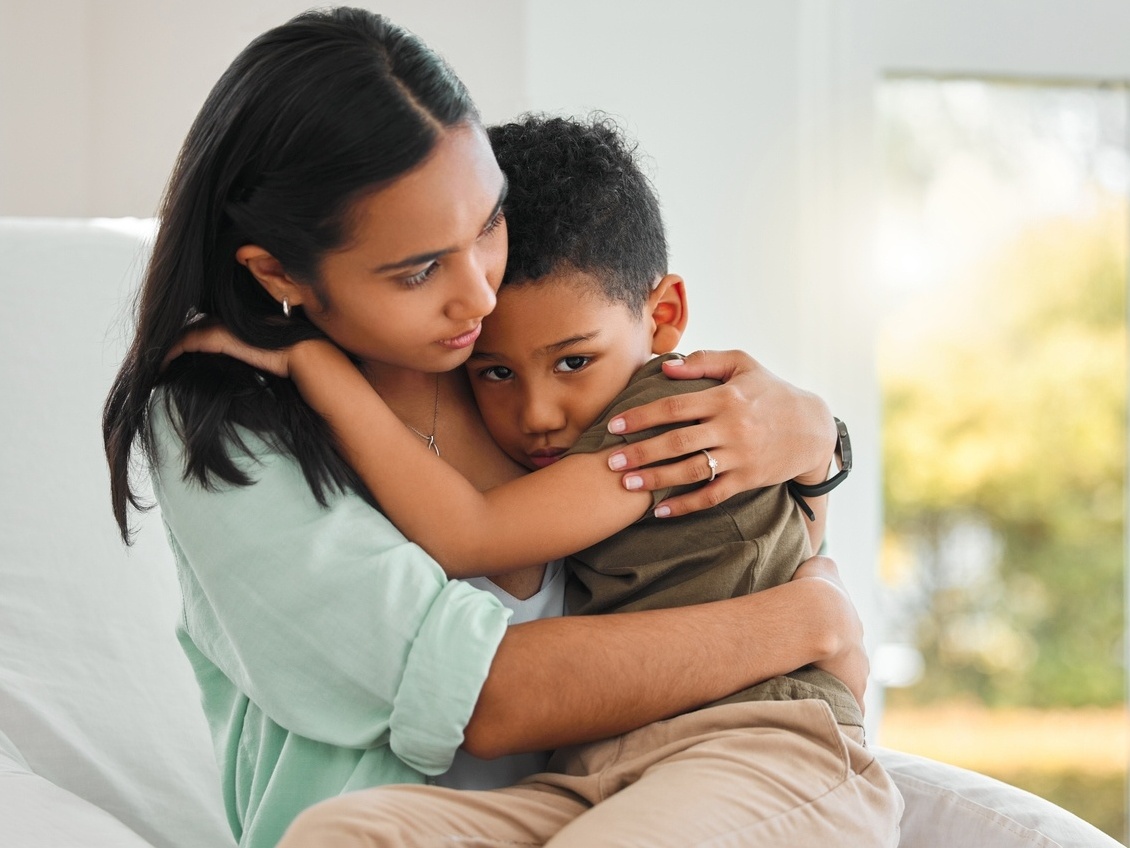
x,y
432,443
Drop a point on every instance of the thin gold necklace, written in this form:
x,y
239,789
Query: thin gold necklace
x,y
430,439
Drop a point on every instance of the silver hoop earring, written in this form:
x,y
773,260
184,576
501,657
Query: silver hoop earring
x,y
286,307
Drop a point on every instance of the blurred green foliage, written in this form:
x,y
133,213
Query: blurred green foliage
x,y
1098,798
1005,414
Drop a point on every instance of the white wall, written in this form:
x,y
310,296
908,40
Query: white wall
x,y
45,109
1054,39
97,95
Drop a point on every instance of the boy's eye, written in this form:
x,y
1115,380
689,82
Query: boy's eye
x,y
568,364
496,373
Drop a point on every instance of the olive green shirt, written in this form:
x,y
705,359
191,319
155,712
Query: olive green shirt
x,y
750,542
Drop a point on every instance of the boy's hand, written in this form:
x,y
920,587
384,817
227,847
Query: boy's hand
x,y
212,337
759,429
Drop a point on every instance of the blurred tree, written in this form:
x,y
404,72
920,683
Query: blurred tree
x,y
1004,466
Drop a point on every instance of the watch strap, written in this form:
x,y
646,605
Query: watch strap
x,y
843,452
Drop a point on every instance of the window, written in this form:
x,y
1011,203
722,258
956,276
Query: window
x,y
1003,362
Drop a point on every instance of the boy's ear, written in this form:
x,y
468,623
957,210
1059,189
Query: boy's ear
x,y
269,272
667,307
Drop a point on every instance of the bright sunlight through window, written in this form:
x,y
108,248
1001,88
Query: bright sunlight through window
x,y
1003,360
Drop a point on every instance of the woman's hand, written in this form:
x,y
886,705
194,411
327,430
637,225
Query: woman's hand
x,y
759,429
846,658
212,337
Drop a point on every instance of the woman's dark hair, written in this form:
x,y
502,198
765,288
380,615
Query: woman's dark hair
x,y
309,118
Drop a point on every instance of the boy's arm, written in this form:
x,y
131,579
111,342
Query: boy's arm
x,y
570,505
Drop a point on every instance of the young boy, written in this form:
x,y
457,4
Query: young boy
x,y
585,303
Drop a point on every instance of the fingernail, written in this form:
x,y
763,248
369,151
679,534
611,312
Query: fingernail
x,y
662,511
633,482
675,363
617,425
617,461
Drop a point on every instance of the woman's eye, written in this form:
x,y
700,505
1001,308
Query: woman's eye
x,y
422,276
496,373
569,364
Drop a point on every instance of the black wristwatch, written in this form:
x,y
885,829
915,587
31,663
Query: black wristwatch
x,y
843,453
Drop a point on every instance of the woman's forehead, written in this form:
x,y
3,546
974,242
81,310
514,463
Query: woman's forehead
x,y
440,205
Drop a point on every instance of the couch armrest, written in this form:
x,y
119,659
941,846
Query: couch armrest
x,y
948,807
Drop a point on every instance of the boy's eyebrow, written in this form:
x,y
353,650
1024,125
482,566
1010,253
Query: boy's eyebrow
x,y
552,347
569,342
424,258
482,354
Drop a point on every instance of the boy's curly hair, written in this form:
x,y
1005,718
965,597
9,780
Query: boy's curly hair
x,y
579,200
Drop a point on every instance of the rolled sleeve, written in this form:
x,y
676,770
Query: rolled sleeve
x,y
443,675
333,624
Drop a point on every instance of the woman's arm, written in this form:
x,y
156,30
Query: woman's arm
x,y
561,681
252,558
761,429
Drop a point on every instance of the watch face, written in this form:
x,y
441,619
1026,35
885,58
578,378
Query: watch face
x,y
844,446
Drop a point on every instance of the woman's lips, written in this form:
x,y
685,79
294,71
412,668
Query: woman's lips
x,y
466,340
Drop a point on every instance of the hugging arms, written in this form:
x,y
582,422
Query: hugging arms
x,y
331,653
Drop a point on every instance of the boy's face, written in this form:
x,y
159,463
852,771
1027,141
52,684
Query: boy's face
x,y
552,356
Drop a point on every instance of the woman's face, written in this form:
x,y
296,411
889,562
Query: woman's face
x,y
426,258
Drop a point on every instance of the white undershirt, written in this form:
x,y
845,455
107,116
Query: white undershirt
x,y
468,772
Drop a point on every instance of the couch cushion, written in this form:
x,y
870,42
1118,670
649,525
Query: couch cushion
x,y
36,812
951,807
94,690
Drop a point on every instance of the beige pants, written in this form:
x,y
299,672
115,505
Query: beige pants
x,y
769,773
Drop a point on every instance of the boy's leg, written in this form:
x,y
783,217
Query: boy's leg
x,y
405,816
776,773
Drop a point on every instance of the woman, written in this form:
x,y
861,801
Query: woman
x,y
336,183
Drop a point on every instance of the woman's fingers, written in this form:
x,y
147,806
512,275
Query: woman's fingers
x,y
706,497
685,408
715,364
705,466
671,443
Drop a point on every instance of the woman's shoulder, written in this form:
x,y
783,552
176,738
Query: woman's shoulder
x,y
185,472
197,437
221,422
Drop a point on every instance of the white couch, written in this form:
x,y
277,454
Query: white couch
x,y
102,742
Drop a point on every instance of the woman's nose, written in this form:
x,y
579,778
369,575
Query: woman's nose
x,y
475,295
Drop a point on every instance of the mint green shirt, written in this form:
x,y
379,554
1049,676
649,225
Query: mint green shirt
x,y
332,653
